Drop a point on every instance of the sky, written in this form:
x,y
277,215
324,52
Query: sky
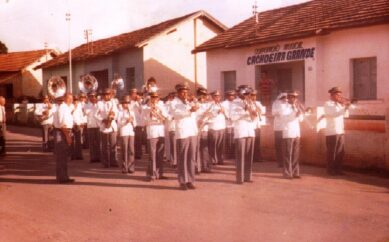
x,y
28,24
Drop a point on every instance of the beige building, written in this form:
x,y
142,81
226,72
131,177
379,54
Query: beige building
x,y
162,51
17,74
312,47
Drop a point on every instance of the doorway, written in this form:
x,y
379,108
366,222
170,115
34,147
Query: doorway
x,y
283,76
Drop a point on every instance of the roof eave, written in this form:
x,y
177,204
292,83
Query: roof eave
x,y
198,14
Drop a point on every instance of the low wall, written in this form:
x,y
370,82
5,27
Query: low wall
x,y
366,142
23,114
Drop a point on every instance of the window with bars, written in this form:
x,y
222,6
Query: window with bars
x,y
365,78
229,80
130,77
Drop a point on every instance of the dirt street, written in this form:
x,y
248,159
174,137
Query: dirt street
x,y
105,205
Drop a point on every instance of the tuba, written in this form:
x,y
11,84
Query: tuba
x,y
88,84
56,87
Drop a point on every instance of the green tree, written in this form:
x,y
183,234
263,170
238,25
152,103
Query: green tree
x,y
3,48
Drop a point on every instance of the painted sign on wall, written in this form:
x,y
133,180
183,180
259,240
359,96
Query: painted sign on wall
x,y
275,54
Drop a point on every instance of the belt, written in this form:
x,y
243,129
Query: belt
x,y
61,129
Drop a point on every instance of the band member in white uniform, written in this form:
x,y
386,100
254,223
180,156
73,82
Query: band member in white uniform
x,y
3,127
278,126
244,134
155,115
63,124
84,133
171,127
78,119
127,122
216,129
93,128
335,110
107,112
229,151
136,106
44,113
186,137
259,121
291,117
203,114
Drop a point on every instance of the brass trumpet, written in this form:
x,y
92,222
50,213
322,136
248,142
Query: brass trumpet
x,y
204,117
253,110
346,101
156,113
302,109
108,121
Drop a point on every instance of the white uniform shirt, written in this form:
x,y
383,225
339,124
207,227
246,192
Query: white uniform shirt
x,y
154,127
84,117
63,117
290,121
170,122
40,108
334,114
126,128
90,110
277,106
137,109
243,124
2,114
186,125
78,115
260,120
227,105
103,109
217,120
203,107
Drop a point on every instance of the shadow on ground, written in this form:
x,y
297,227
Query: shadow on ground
x,y
26,159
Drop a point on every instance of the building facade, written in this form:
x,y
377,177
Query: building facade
x,y
18,76
312,47
162,51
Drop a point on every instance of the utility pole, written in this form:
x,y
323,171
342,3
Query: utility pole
x,y
46,49
88,38
70,55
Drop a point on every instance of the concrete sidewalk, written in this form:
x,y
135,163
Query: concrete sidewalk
x,y
105,205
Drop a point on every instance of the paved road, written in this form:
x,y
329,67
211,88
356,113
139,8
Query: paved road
x,y
104,205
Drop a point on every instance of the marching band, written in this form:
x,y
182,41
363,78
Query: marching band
x,y
192,133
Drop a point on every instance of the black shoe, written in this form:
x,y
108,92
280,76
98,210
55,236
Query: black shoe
x,y
66,181
331,173
206,171
297,177
174,166
190,185
287,177
183,187
163,177
151,179
249,181
131,171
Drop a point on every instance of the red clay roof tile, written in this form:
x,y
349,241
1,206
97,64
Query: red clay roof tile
x,y
16,61
123,41
302,20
